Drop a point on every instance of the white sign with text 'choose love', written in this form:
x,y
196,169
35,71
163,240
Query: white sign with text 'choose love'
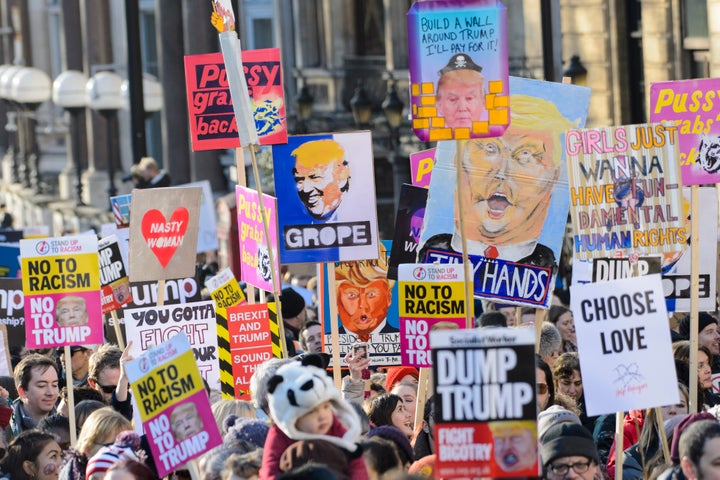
x,y
624,344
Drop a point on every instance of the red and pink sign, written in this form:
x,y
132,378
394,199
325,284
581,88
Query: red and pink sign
x,y
250,344
212,120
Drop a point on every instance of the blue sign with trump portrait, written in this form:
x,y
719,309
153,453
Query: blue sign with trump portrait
x,y
325,189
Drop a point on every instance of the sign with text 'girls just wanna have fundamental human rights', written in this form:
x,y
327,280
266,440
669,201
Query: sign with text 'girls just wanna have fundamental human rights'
x,y
458,69
625,190
61,283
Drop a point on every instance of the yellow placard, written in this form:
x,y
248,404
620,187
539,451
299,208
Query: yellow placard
x,y
79,273
432,300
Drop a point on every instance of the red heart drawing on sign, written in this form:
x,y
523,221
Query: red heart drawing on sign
x,y
164,236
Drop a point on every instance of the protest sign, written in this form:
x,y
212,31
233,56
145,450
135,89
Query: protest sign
x,y
120,206
365,306
674,266
625,190
212,120
250,344
408,223
113,276
692,104
421,164
485,410
225,291
458,49
12,310
163,234
255,267
432,297
321,181
207,227
626,357
173,404
515,212
61,284
10,260
148,327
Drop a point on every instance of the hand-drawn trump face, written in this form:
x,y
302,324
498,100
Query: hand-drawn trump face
x,y
71,311
508,181
185,421
364,294
321,176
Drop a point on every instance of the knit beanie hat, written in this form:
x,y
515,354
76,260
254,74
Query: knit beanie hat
x,y
248,430
550,340
680,428
395,374
567,440
704,319
395,435
123,449
292,303
554,415
296,389
315,451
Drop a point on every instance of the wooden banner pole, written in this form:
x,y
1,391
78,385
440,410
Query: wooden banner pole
x,y
118,332
334,330
70,395
469,279
693,406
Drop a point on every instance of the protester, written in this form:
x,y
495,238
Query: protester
x,y
59,427
550,345
125,447
223,408
305,405
568,451
400,374
700,450
400,442
562,318
568,381
242,466
708,336
79,363
681,351
151,176
554,415
544,386
104,370
32,455
389,409
491,319
293,313
80,394
408,392
36,380
129,470
424,441
101,428
311,337
381,456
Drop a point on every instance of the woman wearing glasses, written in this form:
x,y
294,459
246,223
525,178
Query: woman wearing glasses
x,y
568,451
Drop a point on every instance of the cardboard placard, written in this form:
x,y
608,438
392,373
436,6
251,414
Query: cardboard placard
x,y
255,267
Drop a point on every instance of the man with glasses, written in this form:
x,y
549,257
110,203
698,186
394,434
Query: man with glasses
x,y
107,376
568,451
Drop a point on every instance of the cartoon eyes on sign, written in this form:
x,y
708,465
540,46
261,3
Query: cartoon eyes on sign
x,y
263,263
163,236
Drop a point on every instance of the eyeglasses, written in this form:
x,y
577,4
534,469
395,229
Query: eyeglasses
x,y
107,388
541,388
563,468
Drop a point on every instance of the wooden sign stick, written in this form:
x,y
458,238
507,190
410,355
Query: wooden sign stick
x,y
693,407
619,434
334,331
469,278
70,395
116,326
422,392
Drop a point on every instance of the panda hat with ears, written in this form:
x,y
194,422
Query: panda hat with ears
x,y
296,389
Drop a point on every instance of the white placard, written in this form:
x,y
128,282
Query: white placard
x,y
624,344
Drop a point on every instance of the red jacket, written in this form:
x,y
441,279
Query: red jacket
x,y
631,436
277,442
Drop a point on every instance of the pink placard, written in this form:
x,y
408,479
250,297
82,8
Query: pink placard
x,y
421,164
254,253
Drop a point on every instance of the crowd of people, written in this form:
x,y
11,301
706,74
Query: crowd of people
x,y
299,425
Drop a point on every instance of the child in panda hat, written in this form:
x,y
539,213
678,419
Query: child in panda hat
x,y
305,405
